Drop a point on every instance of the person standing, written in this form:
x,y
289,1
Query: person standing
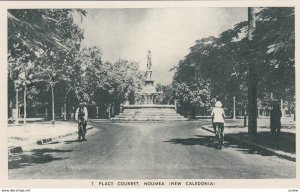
x,y
218,119
275,120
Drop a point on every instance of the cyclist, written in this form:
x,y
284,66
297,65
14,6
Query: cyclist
x,y
81,116
218,118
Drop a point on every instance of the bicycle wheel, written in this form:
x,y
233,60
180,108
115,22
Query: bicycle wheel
x,y
80,132
220,144
83,133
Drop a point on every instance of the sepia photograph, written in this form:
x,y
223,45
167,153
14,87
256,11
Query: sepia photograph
x,y
151,96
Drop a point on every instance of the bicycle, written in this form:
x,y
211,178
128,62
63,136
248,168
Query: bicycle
x,y
220,135
81,132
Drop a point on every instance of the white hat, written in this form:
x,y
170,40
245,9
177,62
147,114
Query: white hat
x,y
218,104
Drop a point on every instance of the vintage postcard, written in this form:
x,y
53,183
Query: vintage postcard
x,y
153,94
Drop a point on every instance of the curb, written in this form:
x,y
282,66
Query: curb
x,y
49,140
98,120
15,150
43,141
19,149
278,153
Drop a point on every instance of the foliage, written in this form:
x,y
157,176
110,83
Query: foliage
x,y
45,53
125,78
41,40
218,66
167,96
275,42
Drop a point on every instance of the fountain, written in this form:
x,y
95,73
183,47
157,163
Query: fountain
x,y
148,92
148,111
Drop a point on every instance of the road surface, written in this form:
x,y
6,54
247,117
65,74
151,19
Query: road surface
x,y
175,150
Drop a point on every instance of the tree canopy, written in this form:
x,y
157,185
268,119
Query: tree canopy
x,y
217,67
46,55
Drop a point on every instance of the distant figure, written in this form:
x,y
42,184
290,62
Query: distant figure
x,y
72,115
275,119
218,119
81,116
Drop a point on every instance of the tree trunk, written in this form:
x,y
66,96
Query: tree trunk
x,y
193,112
25,107
17,106
65,108
289,108
252,80
53,113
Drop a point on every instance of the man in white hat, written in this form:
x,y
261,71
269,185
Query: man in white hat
x,y
218,118
81,116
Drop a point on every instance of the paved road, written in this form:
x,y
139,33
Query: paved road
x,y
178,150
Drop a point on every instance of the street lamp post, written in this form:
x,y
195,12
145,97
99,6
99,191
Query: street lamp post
x,y
97,116
245,118
53,112
108,109
234,114
25,104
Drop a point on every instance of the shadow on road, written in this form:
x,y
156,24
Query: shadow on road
x,y
71,141
36,156
284,142
208,141
74,141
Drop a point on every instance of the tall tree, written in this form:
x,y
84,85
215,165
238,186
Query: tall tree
x,y
224,62
125,78
45,35
252,82
275,40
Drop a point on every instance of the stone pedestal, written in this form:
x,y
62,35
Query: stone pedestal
x,y
160,113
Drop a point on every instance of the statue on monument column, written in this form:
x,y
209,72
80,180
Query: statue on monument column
x,y
149,64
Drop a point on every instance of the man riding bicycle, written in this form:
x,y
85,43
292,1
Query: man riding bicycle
x,y
218,118
81,116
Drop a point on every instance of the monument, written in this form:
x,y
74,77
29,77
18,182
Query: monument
x,y
148,92
148,110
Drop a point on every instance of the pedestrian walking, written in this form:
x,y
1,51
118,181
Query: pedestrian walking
x,y
275,120
218,119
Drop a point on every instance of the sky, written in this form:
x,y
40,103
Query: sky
x,y
167,32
